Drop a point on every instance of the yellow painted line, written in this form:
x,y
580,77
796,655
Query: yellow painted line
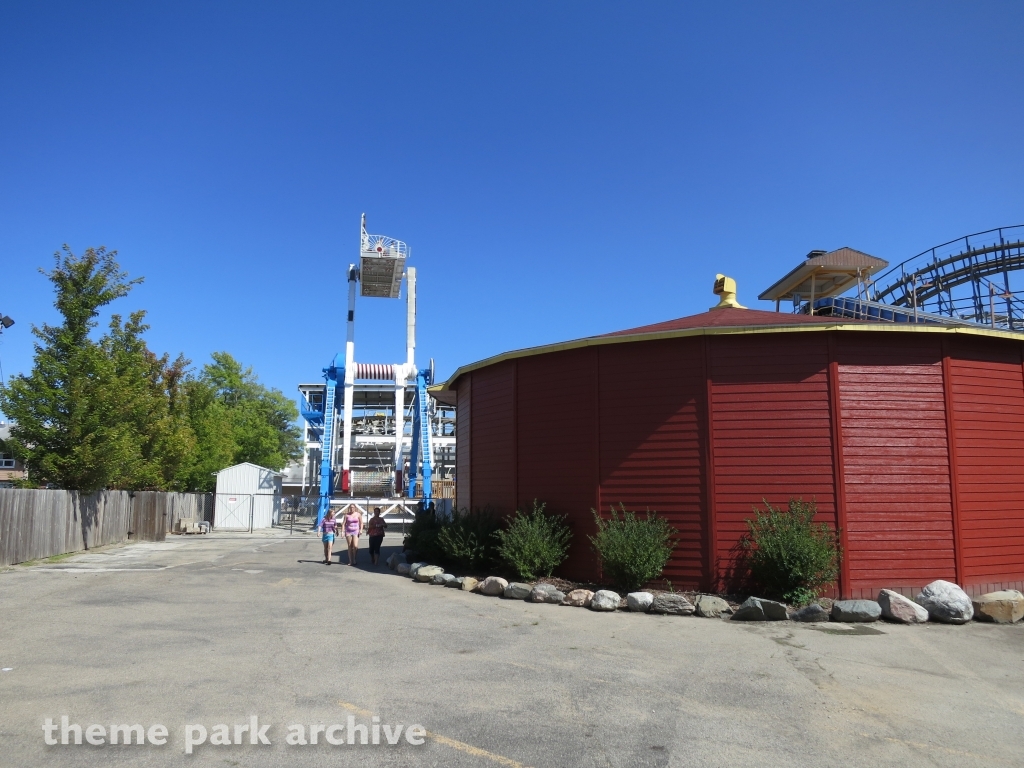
x,y
461,746
475,751
354,708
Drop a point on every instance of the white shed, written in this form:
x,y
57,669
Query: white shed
x,y
248,497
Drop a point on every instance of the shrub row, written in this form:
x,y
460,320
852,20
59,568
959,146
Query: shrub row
x,y
787,554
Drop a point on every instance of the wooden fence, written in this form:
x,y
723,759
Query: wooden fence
x,y
40,523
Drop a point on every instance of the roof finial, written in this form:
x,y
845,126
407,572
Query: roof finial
x,y
726,288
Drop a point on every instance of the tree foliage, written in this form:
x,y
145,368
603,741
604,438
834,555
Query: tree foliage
x,y
109,413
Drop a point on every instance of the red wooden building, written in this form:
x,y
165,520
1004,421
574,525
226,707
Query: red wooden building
x,y
910,438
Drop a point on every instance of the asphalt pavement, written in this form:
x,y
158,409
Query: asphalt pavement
x,y
205,631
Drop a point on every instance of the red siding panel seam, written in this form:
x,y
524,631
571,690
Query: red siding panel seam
x,y
515,433
709,479
839,470
597,427
472,498
954,483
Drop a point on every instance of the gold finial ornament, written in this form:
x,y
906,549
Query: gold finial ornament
x,y
726,288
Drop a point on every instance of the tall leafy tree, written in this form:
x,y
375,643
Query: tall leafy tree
x,y
109,413
262,419
64,411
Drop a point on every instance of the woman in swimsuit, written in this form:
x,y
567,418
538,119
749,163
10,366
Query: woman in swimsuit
x,y
353,529
328,526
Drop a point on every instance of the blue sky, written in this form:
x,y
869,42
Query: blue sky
x,y
559,169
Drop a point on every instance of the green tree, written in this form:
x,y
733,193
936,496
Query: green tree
x,y
232,413
149,407
66,429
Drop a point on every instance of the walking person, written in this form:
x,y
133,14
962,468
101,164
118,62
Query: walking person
x,y
328,526
352,524
376,528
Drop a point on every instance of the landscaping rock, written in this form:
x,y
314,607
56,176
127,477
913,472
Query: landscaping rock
x,y
946,602
711,607
492,586
759,609
546,593
605,600
1003,607
442,579
414,568
896,607
812,612
579,598
671,604
517,591
854,611
469,584
456,583
393,561
427,572
639,601
403,569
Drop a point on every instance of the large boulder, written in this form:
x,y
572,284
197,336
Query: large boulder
x,y
403,569
517,591
579,598
946,602
759,609
426,573
711,607
393,561
546,593
442,579
810,613
456,582
895,607
1003,607
854,611
469,584
605,600
671,604
493,586
640,602
414,568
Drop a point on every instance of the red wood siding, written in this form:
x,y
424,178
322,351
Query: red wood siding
x,y
899,512
771,428
463,442
987,402
556,408
493,441
652,437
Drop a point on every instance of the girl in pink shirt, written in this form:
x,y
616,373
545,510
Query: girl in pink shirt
x,y
352,523
327,527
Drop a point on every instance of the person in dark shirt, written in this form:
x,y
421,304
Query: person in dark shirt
x,y
375,529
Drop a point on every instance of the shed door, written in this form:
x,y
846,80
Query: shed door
x,y
233,510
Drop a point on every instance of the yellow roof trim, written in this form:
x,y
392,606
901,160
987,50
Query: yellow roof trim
x,y
736,330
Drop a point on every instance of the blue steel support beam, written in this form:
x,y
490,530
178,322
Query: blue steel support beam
x,y
334,375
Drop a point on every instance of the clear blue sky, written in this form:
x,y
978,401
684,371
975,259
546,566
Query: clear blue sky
x,y
559,169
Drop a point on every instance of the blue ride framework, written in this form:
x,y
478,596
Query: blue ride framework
x,y
380,274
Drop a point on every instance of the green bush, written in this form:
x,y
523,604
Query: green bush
x,y
633,550
467,540
534,544
422,537
789,555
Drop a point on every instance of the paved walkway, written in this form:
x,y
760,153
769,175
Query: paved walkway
x,y
219,628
